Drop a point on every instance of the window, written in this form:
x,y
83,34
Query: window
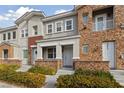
x,y
14,35
52,53
35,30
4,36
58,26
5,53
9,36
22,33
25,53
85,19
85,48
68,24
26,32
49,28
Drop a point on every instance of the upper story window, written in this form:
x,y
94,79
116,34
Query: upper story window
x,y
49,28
69,24
24,33
85,19
4,36
59,26
14,35
35,29
9,36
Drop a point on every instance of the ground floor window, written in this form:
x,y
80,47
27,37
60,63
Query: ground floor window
x,y
51,52
5,53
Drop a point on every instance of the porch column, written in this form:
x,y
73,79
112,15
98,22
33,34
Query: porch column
x,y
39,52
58,51
76,49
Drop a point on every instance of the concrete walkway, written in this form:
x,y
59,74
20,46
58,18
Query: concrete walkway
x,y
5,85
24,68
51,79
118,75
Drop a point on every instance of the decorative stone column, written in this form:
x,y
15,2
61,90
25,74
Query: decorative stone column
x,y
58,51
76,49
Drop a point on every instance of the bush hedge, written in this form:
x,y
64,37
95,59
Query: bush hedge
x,y
80,81
91,73
87,79
9,66
43,70
26,79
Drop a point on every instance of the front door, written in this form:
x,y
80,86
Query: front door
x,y
108,51
34,55
100,22
67,56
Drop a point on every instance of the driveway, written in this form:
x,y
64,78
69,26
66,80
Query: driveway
x,y
5,85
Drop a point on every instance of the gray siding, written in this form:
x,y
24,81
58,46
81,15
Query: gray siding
x,y
63,33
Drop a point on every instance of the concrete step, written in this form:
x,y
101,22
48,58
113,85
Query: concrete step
x,y
65,71
24,68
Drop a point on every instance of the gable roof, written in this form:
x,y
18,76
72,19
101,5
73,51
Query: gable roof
x,y
28,15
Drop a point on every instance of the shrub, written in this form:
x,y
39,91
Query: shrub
x,y
91,73
80,81
9,66
26,79
43,70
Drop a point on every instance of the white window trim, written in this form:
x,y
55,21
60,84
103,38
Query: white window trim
x,y
47,53
72,24
96,17
24,33
56,26
47,28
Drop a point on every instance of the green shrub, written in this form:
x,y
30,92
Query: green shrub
x,y
9,66
43,70
26,79
91,73
80,81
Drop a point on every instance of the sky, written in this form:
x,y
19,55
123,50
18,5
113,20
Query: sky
x,y
9,13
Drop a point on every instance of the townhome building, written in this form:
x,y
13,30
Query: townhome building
x,y
89,36
101,28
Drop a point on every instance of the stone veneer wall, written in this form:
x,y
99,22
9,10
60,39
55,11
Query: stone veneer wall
x,y
10,61
56,63
92,65
95,39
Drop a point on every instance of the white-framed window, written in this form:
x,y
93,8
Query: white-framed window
x,y
14,34
24,33
85,48
4,36
5,53
49,28
69,24
51,53
35,28
85,19
9,35
59,26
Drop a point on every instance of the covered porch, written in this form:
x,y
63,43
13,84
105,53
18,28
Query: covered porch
x,y
60,52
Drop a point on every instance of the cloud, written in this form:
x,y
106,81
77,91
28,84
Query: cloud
x,y
13,15
60,11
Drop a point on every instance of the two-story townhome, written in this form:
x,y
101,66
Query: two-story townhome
x,y
102,34
8,43
16,42
60,41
